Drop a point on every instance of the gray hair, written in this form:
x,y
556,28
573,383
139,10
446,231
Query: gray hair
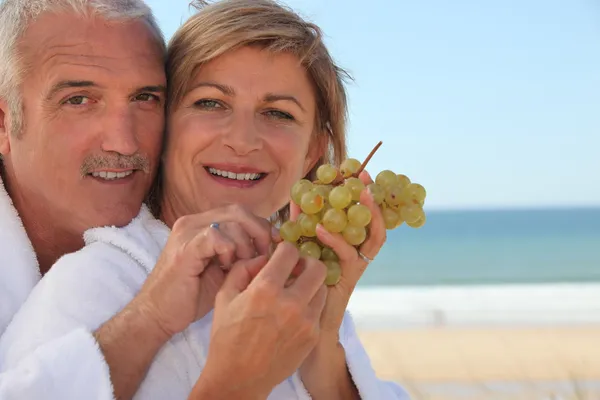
x,y
16,15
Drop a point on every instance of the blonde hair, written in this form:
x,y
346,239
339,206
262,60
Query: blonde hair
x,y
230,24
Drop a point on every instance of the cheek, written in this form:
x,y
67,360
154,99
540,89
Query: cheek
x,y
187,138
150,134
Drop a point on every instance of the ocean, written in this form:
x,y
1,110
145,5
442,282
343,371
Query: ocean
x,y
505,266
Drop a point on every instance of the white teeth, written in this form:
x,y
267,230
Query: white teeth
x,y
233,175
111,176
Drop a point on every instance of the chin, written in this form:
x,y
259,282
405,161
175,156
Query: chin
x,y
118,215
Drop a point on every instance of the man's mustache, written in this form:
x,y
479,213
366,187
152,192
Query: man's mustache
x,y
115,161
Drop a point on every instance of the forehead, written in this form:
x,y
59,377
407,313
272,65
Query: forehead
x,y
92,48
258,70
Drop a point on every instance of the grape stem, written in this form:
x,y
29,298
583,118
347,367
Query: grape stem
x,y
371,154
340,179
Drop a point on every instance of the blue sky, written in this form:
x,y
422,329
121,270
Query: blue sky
x,y
488,104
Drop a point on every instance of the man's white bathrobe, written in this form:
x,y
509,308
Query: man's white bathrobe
x,y
86,288
57,369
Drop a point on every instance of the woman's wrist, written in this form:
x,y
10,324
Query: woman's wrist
x,y
325,373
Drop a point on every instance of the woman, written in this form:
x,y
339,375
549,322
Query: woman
x,y
255,103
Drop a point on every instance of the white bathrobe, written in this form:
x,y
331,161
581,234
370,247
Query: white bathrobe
x,y
86,288
68,367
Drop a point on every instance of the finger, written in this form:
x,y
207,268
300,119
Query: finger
x,y
377,232
365,177
309,281
336,242
210,243
281,264
295,211
259,229
241,275
244,246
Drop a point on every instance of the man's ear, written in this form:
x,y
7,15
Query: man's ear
x,y
5,124
316,149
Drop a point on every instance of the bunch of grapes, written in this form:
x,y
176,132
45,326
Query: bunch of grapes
x,y
333,200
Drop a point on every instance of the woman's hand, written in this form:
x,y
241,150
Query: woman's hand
x,y
328,358
263,326
192,267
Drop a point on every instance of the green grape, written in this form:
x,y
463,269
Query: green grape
x,y
378,193
323,190
340,197
299,189
386,179
308,224
411,213
359,215
394,195
355,186
326,173
328,254
390,217
290,231
403,180
354,235
349,167
419,223
310,249
334,272
417,192
334,220
312,202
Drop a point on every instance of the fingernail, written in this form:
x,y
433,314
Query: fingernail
x,y
322,229
275,236
370,193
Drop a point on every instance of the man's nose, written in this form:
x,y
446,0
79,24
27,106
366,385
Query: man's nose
x,y
119,134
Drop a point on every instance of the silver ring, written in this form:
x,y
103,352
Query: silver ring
x,y
365,258
214,225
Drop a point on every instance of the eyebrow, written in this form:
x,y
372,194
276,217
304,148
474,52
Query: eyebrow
x,y
66,85
271,98
82,84
153,89
229,91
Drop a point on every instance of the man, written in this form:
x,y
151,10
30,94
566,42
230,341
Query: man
x,y
82,100
82,94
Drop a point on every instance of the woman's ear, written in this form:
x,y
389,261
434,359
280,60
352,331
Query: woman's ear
x,y
317,149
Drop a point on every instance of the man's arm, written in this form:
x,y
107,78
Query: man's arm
x,y
129,342
68,367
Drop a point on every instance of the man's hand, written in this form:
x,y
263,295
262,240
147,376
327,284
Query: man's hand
x,y
263,328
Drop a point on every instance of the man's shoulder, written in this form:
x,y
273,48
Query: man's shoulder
x,y
141,240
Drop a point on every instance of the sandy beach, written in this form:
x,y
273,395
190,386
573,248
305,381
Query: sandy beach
x,y
548,363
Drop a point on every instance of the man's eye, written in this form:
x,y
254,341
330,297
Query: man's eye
x,y
77,100
147,97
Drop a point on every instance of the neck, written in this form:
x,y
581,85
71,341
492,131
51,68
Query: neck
x,y
50,241
167,213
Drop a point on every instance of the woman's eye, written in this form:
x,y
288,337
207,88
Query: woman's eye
x,y
207,104
276,114
77,100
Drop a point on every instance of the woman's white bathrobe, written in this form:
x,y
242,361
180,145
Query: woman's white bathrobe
x,y
86,288
57,369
